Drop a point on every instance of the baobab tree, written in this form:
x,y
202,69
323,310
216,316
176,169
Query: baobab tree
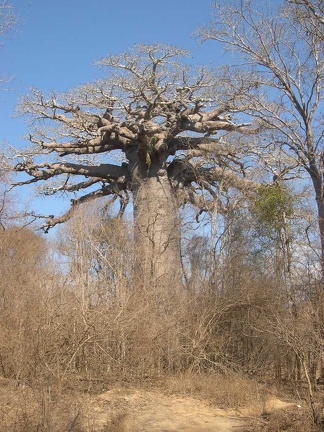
x,y
283,45
162,117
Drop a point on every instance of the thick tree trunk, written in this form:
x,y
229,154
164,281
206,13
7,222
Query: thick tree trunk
x,y
157,237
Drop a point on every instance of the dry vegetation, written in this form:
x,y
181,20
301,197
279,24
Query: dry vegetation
x,y
81,328
90,338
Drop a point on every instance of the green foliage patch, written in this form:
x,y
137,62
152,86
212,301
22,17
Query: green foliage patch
x,y
273,205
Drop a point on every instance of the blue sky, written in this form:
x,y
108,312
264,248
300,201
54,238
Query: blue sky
x,y
56,43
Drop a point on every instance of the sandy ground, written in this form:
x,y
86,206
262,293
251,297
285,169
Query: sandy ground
x,y
118,410
138,411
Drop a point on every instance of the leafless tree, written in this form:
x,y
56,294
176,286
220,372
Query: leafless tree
x,y
8,203
161,117
7,17
313,9
286,53
8,20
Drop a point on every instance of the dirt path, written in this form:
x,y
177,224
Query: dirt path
x,y
119,410
142,411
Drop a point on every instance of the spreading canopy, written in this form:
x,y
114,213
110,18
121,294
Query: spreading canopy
x,y
160,115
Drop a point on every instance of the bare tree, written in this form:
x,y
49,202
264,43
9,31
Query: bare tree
x,y
5,202
313,9
8,20
286,53
7,17
160,116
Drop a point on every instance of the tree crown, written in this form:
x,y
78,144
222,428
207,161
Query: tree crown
x,y
150,107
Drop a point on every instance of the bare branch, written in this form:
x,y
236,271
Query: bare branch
x,y
8,17
45,171
104,191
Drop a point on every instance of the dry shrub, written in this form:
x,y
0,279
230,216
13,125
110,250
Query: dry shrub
x,y
27,410
92,325
119,423
286,421
89,326
232,390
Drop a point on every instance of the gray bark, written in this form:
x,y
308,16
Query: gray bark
x,y
156,231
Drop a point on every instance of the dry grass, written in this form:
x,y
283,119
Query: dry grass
x,y
63,333
24,409
292,420
119,423
224,391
